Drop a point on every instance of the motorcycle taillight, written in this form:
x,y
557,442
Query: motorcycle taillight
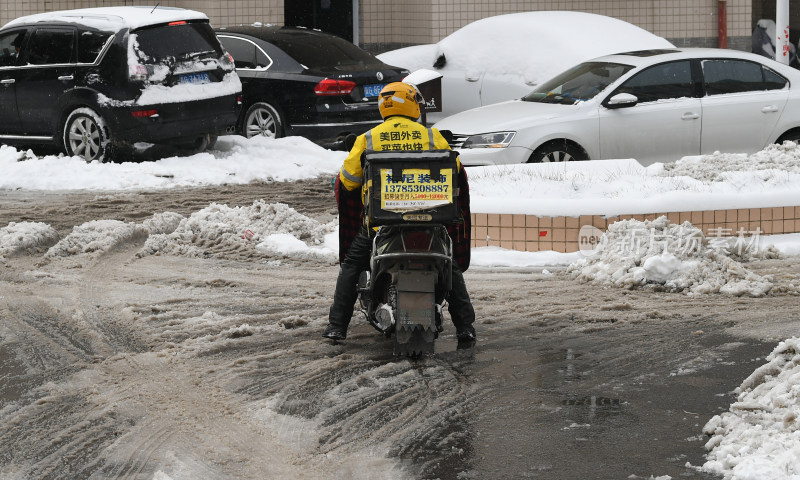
x,y
417,240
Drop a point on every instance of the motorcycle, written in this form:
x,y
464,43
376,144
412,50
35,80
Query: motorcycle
x,y
412,198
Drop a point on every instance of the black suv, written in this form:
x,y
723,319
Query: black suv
x,y
94,79
305,82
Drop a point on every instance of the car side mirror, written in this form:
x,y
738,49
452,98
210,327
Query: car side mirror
x,y
622,100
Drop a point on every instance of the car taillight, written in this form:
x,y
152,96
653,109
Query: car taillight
x,y
239,99
138,72
227,60
144,113
172,24
331,87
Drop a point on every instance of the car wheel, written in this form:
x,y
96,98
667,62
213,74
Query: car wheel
x,y
792,135
86,135
557,151
262,119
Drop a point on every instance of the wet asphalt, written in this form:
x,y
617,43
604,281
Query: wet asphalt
x,y
599,406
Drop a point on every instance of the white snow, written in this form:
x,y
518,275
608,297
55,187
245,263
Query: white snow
x,y
673,257
234,161
758,438
25,237
185,92
549,48
114,18
286,232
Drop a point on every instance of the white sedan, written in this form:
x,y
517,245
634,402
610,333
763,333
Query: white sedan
x,y
653,106
504,57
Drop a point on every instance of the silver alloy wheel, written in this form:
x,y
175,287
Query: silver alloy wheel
x,y
262,119
558,156
557,151
84,137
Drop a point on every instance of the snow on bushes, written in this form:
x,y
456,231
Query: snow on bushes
x,y
679,258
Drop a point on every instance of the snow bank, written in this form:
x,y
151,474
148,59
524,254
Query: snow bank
x,y
774,164
219,230
97,236
671,257
759,437
234,160
258,230
26,237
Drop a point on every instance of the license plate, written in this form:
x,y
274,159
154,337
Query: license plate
x,y
198,78
373,90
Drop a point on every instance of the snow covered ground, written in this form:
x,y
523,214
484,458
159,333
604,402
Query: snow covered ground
x,y
756,438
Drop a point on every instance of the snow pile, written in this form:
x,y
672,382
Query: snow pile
x,y
219,229
774,163
97,236
234,160
26,237
166,222
671,257
759,437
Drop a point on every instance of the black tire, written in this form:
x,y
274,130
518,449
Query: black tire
x,y
557,151
85,135
792,135
262,119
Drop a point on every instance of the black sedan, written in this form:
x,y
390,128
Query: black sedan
x,y
298,81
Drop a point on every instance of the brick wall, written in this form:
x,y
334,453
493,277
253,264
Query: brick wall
x,y
387,24
532,233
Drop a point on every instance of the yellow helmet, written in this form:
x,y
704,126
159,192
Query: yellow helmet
x,y
399,98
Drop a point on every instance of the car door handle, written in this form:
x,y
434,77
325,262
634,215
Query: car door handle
x,y
690,116
7,81
769,109
65,78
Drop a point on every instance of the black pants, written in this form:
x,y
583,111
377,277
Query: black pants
x,y
357,260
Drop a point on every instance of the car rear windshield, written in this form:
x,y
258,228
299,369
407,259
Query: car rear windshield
x,y
315,52
578,84
180,40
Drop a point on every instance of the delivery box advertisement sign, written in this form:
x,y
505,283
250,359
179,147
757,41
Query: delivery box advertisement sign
x,y
416,190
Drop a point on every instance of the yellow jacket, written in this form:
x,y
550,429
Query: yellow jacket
x,y
394,134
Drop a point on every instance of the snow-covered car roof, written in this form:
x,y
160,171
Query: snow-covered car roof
x,y
113,18
534,45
